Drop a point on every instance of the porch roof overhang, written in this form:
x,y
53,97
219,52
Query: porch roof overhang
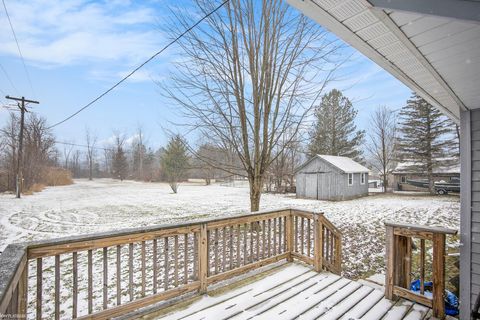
x,y
433,48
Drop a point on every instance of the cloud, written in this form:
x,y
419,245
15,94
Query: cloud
x,y
78,32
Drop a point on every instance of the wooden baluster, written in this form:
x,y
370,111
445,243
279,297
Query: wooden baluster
x,y
285,233
327,245
75,284
195,256
295,233
257,240
338,254
215,252
224,248
130,271
422,266
269,237
390,265
318,243
263,239
274,236
185,258
438,275
251,242
280,219
332,257
302,235
119,275
245,228
105,278
209,241
238,246
231,247
39,289
144,267
165,269
155,265
308,238
175,248
289,236
57,287
90,281
203,258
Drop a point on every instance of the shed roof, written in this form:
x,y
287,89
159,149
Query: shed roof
x,y
344,164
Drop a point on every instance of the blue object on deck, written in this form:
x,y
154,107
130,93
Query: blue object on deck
x,y
451,300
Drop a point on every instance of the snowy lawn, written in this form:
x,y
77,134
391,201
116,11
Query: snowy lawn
x,y
101,205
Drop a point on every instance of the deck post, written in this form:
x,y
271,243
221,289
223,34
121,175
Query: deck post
x,y
318,241
390,272
438,303
203,258
402,261
23,293
289,235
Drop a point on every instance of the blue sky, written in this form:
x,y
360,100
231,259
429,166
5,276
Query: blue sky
x,y
76,49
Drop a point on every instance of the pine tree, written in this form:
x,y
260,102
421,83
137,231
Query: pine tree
x,y
119,164
335,132
174,162
426,138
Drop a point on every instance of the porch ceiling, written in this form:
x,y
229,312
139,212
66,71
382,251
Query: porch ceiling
x,y
436,56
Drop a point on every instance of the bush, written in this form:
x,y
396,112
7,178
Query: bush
x,y
53,176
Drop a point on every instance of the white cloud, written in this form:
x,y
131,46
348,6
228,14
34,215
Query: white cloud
x,y
63,33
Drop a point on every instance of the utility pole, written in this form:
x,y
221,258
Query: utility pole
x,y
23,109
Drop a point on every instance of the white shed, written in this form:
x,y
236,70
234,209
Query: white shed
x,y
325,177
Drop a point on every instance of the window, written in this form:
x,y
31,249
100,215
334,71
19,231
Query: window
x,y
350,179
362,178
404,179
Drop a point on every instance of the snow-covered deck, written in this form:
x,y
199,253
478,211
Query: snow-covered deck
x,y
296,291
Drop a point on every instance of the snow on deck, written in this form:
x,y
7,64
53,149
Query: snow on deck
x,y
297,291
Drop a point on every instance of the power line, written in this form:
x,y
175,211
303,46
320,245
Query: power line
x,y
8,78
18,47
140,66
91,147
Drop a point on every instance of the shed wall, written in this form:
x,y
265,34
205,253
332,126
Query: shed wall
x,y
320,180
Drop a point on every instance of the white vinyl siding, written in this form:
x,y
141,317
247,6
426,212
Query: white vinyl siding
x,y
350,179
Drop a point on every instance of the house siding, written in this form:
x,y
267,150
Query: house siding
x,y
470,211
320,180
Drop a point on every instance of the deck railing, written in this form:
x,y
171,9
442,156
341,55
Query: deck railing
x,y
399,246
110,274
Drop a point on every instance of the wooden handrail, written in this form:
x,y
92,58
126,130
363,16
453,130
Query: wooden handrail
x,y
399,242
143,266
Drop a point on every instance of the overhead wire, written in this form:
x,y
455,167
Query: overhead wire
x,y
18,47
8,78
140,66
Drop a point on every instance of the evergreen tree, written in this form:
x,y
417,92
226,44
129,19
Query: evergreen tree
x,y
174,162
335,132
426,139
119,164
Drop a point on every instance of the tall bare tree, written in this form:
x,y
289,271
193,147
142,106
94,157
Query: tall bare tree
x,y
251,71
91,140
381,144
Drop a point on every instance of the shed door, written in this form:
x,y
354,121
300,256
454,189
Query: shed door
x,y
311,186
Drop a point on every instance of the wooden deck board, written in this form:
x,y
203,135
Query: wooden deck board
x,y
298,292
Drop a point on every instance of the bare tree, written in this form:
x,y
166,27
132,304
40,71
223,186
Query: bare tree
x,y
253,70
382,142
91,140
67,151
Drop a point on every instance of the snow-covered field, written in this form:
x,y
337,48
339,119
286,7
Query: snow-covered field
x,y
100,205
